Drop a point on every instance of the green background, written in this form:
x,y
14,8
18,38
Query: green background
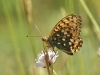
x,y
18,52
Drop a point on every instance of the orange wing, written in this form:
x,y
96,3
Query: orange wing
x,y
70,21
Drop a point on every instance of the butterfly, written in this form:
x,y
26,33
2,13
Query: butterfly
x,y
66,35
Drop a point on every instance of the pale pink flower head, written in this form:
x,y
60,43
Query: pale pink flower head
x,y
46,55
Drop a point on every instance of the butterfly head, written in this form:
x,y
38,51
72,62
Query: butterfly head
x,y
44,38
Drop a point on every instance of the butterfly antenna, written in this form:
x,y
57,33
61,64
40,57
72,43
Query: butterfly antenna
x,y
32,36
38,30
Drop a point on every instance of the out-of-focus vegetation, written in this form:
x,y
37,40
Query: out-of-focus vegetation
x,y
18,53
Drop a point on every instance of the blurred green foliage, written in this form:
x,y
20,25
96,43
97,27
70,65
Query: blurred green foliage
x,y
18,53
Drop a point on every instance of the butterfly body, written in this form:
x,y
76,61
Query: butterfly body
x,y
66,34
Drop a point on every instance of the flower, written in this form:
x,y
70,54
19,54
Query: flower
x,y
46,56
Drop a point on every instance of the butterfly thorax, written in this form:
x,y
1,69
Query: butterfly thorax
x,y
46,40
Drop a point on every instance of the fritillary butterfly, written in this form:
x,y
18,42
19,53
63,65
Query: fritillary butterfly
x,y
66,34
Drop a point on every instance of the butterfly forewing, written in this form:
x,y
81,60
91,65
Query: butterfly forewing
x,y
66,34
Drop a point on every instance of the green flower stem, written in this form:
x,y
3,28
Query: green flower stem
x,y
54,72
